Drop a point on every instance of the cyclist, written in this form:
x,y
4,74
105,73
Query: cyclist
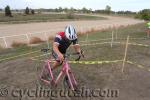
x,y
148,29
61,42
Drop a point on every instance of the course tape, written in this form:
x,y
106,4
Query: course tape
x,y
95,40
18,56
144,38
94,62
139,44
41,55
138,65
85,62
97,43
100,62
81,45
135,44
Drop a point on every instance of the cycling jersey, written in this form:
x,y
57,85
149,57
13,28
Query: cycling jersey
x,y
63,42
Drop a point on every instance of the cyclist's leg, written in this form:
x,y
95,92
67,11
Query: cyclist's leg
x,y
55,65
57,62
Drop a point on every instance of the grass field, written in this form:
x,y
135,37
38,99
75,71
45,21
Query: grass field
x,y
21,18
133,84
121,33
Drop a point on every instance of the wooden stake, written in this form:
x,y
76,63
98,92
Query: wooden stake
x,y
112,39
125,54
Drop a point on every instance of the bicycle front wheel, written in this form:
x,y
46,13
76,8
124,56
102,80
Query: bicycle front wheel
x,y
67,83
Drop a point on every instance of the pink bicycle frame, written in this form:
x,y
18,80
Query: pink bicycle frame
x,y
64,71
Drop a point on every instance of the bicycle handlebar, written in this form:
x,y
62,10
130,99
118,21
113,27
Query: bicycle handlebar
x,y
45,50
82,55
79,56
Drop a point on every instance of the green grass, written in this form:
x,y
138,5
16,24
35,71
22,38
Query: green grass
x,y
96,52
21,18
12,52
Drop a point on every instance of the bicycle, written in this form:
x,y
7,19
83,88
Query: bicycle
x,y
69,79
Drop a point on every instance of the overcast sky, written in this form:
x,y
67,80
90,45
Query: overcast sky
x,y
116,5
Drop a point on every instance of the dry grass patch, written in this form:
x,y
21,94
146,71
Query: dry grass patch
x,y
18,44
36,40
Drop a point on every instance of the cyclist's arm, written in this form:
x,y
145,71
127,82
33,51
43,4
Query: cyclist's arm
x,y
76,46
55,48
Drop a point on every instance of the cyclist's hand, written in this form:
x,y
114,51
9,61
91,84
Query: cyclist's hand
x,y
61,57
81,53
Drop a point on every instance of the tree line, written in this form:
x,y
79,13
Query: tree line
x,y
8,12
143,14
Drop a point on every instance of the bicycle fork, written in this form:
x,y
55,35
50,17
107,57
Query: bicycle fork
x,y
72,80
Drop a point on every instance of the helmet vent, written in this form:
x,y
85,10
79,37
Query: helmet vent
x,y
74,31
69,36
69,30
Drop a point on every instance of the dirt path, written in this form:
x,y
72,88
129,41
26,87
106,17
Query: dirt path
x,y
52,27
132,85
17,29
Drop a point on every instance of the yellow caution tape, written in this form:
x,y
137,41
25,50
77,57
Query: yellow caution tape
x,y
138,65
86,62
8,58
100,62
139,44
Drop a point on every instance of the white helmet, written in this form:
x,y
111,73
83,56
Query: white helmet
x,y
70,32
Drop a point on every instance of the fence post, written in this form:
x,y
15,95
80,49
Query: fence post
x,y
116,33
87,36
125,54
81,30
28,39
112,39
6,45
46,37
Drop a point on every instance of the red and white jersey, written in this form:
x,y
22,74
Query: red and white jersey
x,y
63,42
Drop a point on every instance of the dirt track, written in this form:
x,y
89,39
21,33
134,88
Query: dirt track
x,y
52,27
17,29
133,84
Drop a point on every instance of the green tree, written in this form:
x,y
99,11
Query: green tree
x,y
27,11
90,10
70,13
145,14
108,9
66,10
8,11
84,10
72,10
60,9
32,12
